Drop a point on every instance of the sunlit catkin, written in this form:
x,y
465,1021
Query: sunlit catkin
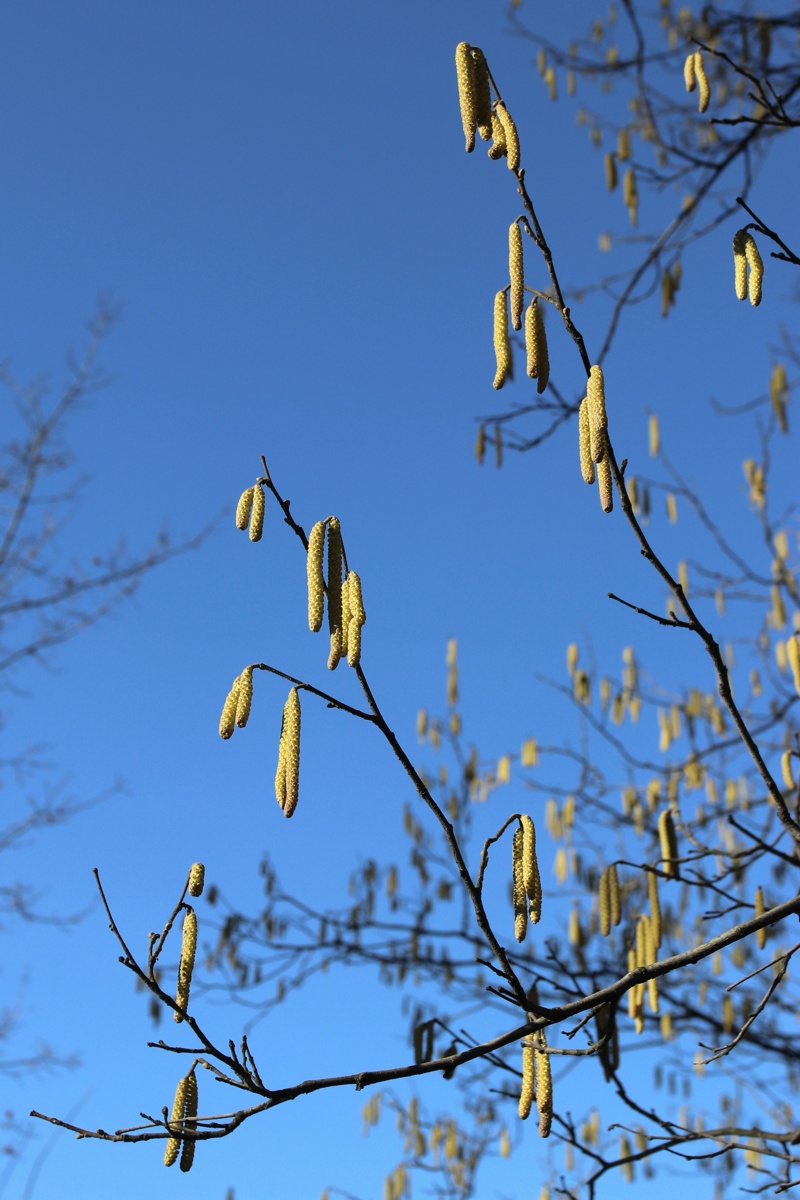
x,y
243,508
498,147
516,274
467,92
614,898
786,770
669,844
604,484
512,137
654,435
760,909
334,591
227,720
605,905
483,95
197,876
528,1074
502,346
176,1118
703,89
793,658
291,740
189,1122
518,887
536,346
530,869
544,1087
186,964
358,618
740,264
585,442
756,270
257,514
245,698
655,908
689,76
316,578
598,417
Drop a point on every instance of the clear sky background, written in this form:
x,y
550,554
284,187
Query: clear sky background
x,y
307,259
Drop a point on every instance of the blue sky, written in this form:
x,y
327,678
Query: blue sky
x,y
279,197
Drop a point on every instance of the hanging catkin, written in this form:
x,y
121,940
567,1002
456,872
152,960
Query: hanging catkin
x,y
290,741
518,887
655,908
536,346
243,508
176,1118
530,869
544,1087
498,147
197,875
483,95
793,657
512,137
739,264
186,964
614,895
228,719
334,591
358,618
604,484
257,514
189,1122
604,904
502,346
316,578
756,270
703,89
467,92
516,274
528,1074
669,844
598,417
245,698
689,72
585,442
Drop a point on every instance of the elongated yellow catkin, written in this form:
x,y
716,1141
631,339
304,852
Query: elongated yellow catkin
x,y
516,274
740,264
243,508
358,618
793,658
528,1074
756,270
623,144
530,869
291,740
669,844
786,770
605,485
655,908
189,1122
614,895
760,909
536,346
197,876
467,92
245,698
518,887
334,591
512,137
611,171
280,772
483,94
502,346
585,442
703,88
228,719
176,1117
257,514
186,964
654,435
605,905
498,147
544,1087
598,417
316,578
689,72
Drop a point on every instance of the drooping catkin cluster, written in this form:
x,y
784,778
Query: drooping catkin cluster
x,y
536,346
335,563
609,900
287,776
694,75
502,346
642,954
516,274
186,964
184,1112
250,510
176,1118
745,254
519,898
236,709
346,614
592,432
353,618
669,844
531,880
197,877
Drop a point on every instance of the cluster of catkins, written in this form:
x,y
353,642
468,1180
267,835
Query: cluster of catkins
x,y
592,438
492,121
745,254
184,1106
538,365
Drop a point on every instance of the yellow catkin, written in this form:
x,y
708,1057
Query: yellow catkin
x,y
672,509
689,67
786,770
530,869
536,346
467,93
345,614
614,895
512,137
334,591
483,95
176,1118
502,346
544,1087
598,417
669,844
655,908
197,876
703,88
498,147
611,171
740,264
585,442
316,578
358,618
280,773
227,720
528,1073
654,435
243,508
760,909
189,1122
605,905
516,274
623,144
630,194
186,964
257,514
604,484
290,738
756,270
793,658
245,698
518,887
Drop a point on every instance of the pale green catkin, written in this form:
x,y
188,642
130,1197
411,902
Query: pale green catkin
x,y
516,274
502,346
257,515
528,1074
483,95
467,92
291,740
186,964
197,876
512,137
605,485
536,346
243,508
176,1117
498,147
227,720
703,89
358,618
585,443
245,697
598,418
519,898
316,578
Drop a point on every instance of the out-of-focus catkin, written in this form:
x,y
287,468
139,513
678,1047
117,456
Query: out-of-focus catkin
x,y
614,898
760,909
793,658
756,270
189,1122
512,137
604,905
257,514
245,698
291,741
467,92
703,88
528,1075
585,442
786,770
483,95
335,555
611,171
186,964
518,887
176,1118
689,77
502,346
316,578
197,876
630,194
544,1086
243,508
669,844
536,346
227,721
516,274
655,908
